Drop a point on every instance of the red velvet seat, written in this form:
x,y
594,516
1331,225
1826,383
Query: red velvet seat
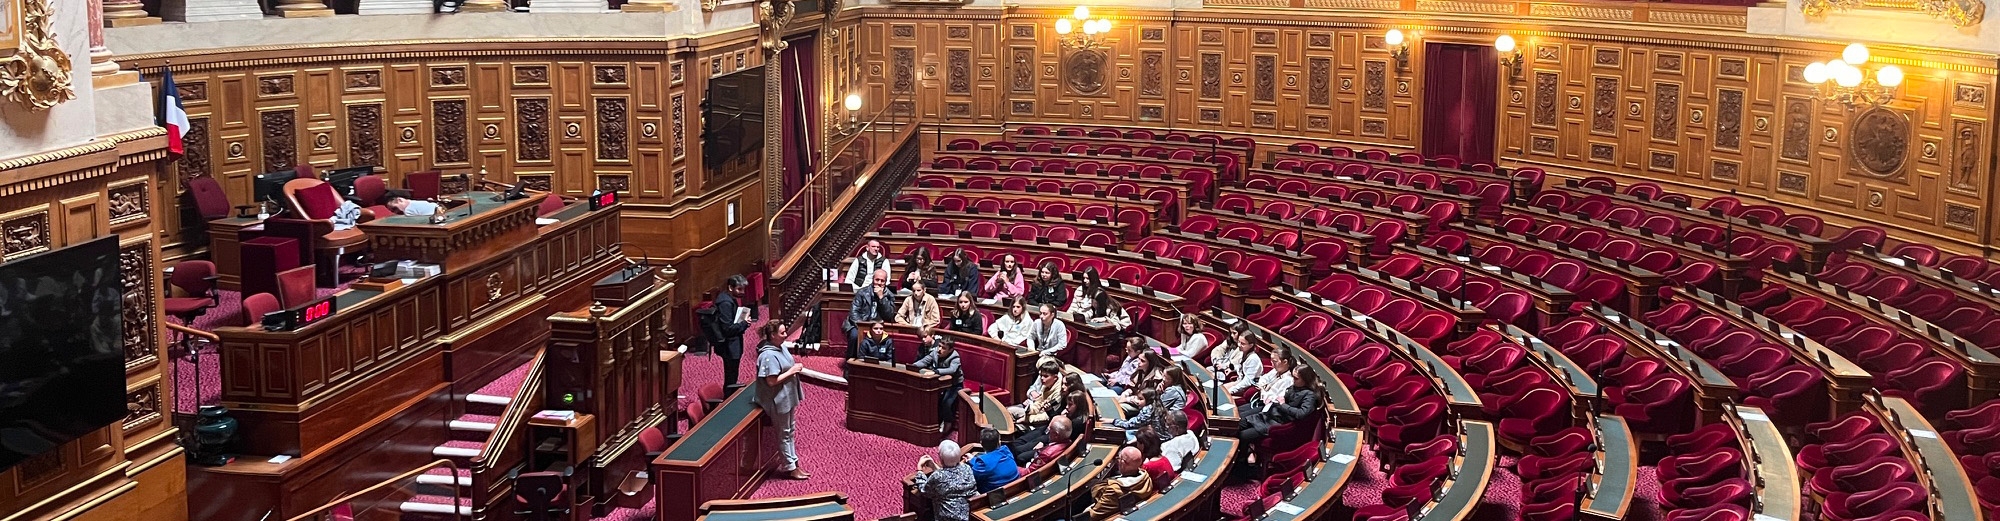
x,y
195,280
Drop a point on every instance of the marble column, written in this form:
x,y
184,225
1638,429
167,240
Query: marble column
x,y
303,8
104,71
124,13
396,7
650,6
485,6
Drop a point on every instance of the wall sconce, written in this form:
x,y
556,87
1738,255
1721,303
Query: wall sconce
x,y
853,105
1398,48
1844,81
1510,57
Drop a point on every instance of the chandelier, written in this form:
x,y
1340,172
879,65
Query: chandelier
x,y
1844,80
1091,35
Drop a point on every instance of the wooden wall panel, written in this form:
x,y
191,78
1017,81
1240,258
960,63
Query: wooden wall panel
x,y
1712,115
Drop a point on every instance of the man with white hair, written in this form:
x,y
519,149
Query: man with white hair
x,y
1117,493
948,483
870,260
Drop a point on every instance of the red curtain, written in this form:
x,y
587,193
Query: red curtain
x,y
1461,99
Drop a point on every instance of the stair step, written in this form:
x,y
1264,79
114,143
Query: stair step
x,y
475,423
459,449
489,399
446,476
429,504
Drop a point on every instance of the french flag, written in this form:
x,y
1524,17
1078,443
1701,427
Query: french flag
x,y
172,115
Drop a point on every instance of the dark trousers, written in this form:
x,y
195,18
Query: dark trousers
x,y
1255,428
948,407
730,368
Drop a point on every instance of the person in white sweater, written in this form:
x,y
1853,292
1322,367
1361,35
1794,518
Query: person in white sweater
x,y
1275,383
1239,363
1048,336
1107,311
1013,327
1193,343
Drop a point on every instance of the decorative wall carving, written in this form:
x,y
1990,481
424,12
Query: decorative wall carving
x,y
447,76
531,132
1319,79
903,31
448,143
608,74
1152,34
1211,115
1024,69
1603,152
958,71
35,71
135,269
1729,119
1375,85
1024,107
1792,182
1969,94
1880,141
1666,111
1608,58
1084,72
192,91
1604,105
127,202
1266,87
1965,151
1661,161
1542,144
1797,144
1667,62
535,182
1150,81
1263,119
1374,127
1960,216
538,75
364,134
274,85
195,162
903,70
678,108
1152,113
614,183
142,407
958,32
1545,99
1211,76
1733,68
280,139
611,129
1723,171
27,232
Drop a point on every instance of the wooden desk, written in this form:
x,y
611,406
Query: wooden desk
x,y
1475,469
1358,243
977,411
1020,139
1983,369
1522,187
1845,380
1618,471
1468,203
1452,385
986,362
1197,492
1054,497
1376,212
724,457
1006,219
1551,302
612,366
1233,286
895,401
225,248
1777,476
1712,389
478,229
1642,287
1735,271
1938,466
1339,400
824,506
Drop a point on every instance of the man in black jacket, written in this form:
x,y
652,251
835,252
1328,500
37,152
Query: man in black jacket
x,y
872,303
732,327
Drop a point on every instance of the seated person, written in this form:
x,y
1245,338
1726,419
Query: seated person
x,y
406,206
965,317
1300,401
946,482
1076,413
1044,396
1156,465
1239,363
920,308
1107,311
1009,281
1014,327
1128,487
1274,385
992,467
1163,397
876,344
1193,343
1056,439
1181,442
1047,287
1122,380
1047,334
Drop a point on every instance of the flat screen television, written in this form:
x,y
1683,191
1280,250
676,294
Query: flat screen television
x,y
270,186
732,135
62,355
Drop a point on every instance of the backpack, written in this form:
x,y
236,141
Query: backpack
x,y
711,325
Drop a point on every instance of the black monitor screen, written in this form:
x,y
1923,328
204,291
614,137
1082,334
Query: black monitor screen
x,y
271,186
733,124
62,356
343,179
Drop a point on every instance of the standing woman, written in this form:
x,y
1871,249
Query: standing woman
x,y
779,393
1048,288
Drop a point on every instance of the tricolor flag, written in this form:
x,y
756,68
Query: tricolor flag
x,y
172,116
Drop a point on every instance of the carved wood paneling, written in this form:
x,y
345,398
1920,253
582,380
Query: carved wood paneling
x,y
281,138
611,129
532,132
364,133
448,142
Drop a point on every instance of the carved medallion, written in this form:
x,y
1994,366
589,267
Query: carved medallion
x,y
1152,113
1965,150
1211,75
1545,99
447,76
494,287
1662,161
1960,216
1792,182
1152,34
192,91
1797,141
364,134
1880,142
1211,115
958,32
958,66
1084,72
1375,86
1317,122
142,407
1151,82
1266,86
322,141
35,71
1603,152
1723,171
531,119
1607,58
1374,127
274,85
1542,144
27,232
127,202
1666,111
1729,119
611,128
448,117
1263,119
1319,79
1024,107
280,139
1970,94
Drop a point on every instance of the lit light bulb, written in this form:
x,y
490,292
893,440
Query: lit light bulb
x,y
1089,27
1104,25
853,102
1082,13
1854,54
1394,38
1849,76
1504,43
1062,26
1890,76
1816,73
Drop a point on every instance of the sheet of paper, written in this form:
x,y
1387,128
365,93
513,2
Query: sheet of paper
x,y
1102,392
1288,509
822,378
1752,415
1342,458
1190,476
743,314
1921,433
544,221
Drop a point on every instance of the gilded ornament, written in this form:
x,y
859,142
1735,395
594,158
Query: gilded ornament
x,y
37,72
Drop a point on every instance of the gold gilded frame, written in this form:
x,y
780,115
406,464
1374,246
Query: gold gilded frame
x,y
34,70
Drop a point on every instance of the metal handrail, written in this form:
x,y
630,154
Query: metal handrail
x,y
330,505
212,337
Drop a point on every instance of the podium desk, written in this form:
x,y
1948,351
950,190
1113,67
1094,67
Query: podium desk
x,y
895,401
724,457
979,411
476,228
